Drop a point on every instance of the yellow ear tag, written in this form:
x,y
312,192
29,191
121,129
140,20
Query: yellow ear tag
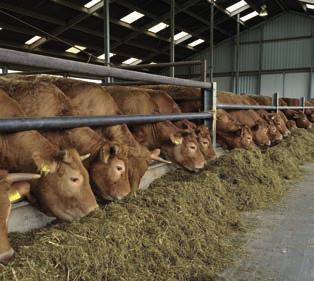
x,y
44,169
177,142
14,196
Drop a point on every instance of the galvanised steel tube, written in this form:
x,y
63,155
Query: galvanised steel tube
x,y
55,123
34,60
244,106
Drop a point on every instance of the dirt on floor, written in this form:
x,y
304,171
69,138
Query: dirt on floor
x,y
182,228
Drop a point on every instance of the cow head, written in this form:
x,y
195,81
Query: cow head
x,y
260,134
12,187
309,113
64,190
139,159
109,172
279,123
205,142
274,135
243,138
301,120
291,124
183,149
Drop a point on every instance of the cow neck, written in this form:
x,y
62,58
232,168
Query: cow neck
x,y
122,134
17,150
85,141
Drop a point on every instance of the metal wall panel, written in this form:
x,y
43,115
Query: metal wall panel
x,y
287,54
224,83
288,25
248,84
223,58
251,35
272,83
297,85
249,57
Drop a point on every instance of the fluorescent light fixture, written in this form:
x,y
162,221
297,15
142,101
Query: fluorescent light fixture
x,y
32,40
196,42
310,6
158,27
132,17
91,3
249,16
152,62
13,71
102,57
0,28
132,61
236,6
76,49
181,36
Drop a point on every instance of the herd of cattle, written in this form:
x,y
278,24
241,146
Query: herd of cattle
x,y
61,172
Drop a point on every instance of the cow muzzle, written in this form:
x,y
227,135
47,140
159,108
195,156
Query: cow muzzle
x,y
6,256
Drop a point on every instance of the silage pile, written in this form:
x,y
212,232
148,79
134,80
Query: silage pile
x,y
180,229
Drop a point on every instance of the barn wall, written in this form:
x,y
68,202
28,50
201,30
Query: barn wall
x,y
276,56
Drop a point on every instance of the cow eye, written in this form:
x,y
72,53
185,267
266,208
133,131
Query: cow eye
x,y
74,179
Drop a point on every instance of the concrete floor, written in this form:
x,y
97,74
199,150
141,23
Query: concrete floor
x,y
281,247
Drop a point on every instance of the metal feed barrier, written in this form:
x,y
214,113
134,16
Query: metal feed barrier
x,y
209,95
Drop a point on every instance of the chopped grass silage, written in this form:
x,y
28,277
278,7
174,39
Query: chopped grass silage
x,y
179,229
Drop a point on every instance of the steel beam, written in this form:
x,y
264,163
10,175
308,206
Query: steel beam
x,y
172,45
106,36
237,56
211,47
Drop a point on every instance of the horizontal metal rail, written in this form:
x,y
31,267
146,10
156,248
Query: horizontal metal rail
x,y
163,64
55,123
244,106
34,60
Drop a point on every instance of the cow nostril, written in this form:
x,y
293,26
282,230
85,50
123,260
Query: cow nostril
x,y
119,168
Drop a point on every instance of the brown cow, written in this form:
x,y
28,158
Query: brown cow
x,y
309,112
12,187
167,105
64,191
108,165
179,146
238,139
92,100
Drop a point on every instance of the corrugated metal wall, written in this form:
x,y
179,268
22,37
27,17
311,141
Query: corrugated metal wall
x,y
275,56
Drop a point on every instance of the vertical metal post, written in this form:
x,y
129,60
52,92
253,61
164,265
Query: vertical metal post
x,y
260,64
275,101
204,70
211,55
237,54
172,46
213,106
302,103
4,70
107,36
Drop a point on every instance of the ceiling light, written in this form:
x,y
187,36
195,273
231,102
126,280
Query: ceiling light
x,y
263,12
87,80
132,61
152,62
236,6
0,28
91,3
196,42
102,57
132,17
76,49
158,27
181,36
13,71
310,6
32,40
249,16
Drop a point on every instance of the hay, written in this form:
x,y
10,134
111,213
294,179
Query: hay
x,y
180,229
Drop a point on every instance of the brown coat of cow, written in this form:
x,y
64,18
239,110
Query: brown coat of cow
x,y
10,184
64,191
179,146
108,165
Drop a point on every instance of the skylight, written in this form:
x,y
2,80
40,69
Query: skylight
x,y
158,27
32,40
132,17
91,3
132,61
196,42
236,6
310,6
102,57
76,49
249,16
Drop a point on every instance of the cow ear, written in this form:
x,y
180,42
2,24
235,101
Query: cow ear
x,y
3,174
45,166
176,138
